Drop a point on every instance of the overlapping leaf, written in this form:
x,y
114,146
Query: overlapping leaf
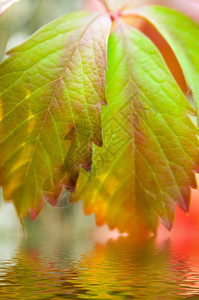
x,y
51,91
150,146
182,35
5,4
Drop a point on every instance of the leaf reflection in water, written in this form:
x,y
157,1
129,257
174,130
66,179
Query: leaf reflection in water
x,y
117,269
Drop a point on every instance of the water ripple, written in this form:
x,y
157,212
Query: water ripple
x,y
113,270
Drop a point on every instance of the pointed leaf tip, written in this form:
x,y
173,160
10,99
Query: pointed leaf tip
x,y
52,87
150,146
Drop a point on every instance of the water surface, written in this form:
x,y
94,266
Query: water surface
x,y
78,268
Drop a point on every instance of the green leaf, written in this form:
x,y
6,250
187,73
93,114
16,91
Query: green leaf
x,y
150,145
5,4
51,91
182,35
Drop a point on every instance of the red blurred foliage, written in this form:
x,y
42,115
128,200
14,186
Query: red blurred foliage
x,y
184,224
94,5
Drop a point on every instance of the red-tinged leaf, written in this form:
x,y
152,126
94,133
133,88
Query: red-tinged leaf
x,y
181,33
51,91
150,151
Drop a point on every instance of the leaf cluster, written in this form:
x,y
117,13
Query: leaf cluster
x,y
89,105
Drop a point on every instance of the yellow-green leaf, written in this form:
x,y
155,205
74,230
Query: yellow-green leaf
x,y
150,145
182,35
51,91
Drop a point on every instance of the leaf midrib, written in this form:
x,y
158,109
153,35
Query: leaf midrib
x,y
133,142
59,81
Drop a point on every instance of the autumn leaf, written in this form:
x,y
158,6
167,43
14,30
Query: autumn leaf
x,y
150,145
51,91
52,88
5,4
181,33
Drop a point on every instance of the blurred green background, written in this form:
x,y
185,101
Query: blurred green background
x,y
25,17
